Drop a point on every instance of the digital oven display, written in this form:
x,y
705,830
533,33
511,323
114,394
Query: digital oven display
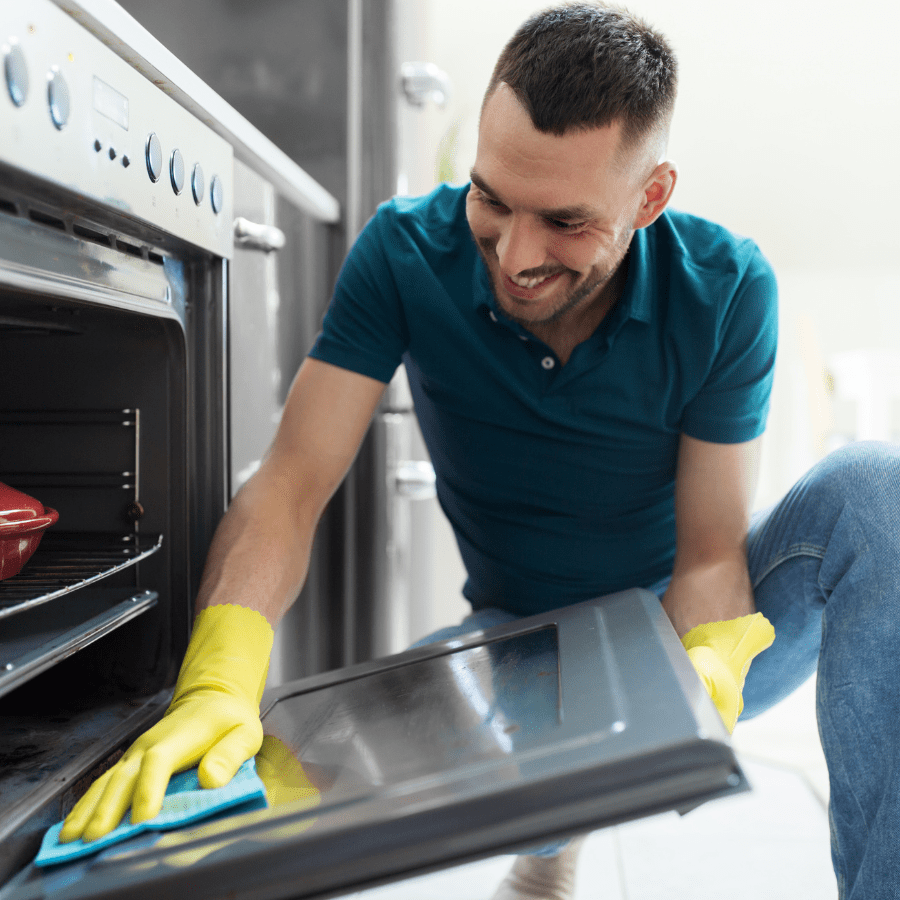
x,y
110,103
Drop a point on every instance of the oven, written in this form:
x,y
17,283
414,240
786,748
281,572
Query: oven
x,y
137,391
115,235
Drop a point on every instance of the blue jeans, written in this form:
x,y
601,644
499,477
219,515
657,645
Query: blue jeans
x,y
825,568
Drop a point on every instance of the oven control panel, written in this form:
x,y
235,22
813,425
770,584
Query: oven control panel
x,y
76,115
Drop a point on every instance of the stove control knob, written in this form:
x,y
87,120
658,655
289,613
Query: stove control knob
x,y
176,171
58,98
16,72
154,157
198,185
216,194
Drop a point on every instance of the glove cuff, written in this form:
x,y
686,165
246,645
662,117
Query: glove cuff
x,y
731,634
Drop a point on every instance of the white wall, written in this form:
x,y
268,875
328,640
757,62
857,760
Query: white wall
x,y
787,130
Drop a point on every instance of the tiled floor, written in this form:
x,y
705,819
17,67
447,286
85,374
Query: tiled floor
x,y
771,843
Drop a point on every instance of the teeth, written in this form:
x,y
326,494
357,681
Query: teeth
x,y
528,282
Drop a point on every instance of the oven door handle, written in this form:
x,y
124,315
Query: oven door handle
x,y
253,236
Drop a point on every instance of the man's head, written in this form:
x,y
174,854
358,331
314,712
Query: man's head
x,y
587,65
572,130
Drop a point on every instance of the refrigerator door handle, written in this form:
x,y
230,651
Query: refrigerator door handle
x,y
253,236
414,479
422,81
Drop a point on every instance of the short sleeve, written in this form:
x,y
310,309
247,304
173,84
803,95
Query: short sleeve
x,y
364,328
733,403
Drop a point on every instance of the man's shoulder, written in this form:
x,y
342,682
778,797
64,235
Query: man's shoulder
x,y
432,217
693,242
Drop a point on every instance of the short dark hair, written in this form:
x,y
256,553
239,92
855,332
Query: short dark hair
x,y
587,65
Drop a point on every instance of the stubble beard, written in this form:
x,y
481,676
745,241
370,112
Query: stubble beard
x,y
582,294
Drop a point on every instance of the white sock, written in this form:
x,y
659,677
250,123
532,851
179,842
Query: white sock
x,y
542,877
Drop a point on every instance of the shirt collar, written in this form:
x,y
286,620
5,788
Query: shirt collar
x,y
637,298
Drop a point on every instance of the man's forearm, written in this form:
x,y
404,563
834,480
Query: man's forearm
x,y
712,590
260,553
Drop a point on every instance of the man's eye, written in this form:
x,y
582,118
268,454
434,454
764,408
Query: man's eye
x,y
561,225
494,204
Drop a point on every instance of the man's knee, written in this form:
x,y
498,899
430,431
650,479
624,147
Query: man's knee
x,y
865,475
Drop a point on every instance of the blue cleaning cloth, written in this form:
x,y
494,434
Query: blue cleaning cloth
x,y
185,802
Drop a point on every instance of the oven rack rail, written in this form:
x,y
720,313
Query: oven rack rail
x,y
68,563
47,636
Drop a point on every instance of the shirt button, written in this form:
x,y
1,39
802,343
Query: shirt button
x,y
493,317
548,362
523,337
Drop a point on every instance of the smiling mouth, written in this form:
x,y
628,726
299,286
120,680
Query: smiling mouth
x,y
528,288
530,282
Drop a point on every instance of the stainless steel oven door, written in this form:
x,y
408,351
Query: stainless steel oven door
x,y
547,727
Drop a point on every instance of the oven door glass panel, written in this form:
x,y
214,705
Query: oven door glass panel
x,y
553,725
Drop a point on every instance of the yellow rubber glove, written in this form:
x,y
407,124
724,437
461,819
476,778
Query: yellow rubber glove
x,y
721,652
213,720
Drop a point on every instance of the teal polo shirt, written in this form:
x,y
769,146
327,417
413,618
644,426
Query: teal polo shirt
x,y
558,480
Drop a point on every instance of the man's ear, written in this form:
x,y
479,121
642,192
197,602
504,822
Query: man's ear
x,y
656,192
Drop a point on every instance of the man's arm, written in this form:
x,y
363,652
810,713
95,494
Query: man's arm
x,y
714,489
255,568
710,597
260,553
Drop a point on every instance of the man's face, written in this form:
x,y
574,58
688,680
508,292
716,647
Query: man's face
x,y
552,215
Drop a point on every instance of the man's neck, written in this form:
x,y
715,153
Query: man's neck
x,y
563,336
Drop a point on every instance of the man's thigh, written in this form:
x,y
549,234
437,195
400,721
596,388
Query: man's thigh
x,y
785,550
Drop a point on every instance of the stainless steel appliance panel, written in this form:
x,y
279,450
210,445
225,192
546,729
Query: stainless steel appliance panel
x,y
77,116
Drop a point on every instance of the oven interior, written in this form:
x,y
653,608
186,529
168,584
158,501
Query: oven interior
x,y
109,415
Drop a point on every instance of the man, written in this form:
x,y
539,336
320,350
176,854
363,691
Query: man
x,y
591,372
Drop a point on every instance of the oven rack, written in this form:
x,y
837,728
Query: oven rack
x,y
47,636
65,563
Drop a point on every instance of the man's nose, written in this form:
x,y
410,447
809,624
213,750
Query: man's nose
x,y
520,246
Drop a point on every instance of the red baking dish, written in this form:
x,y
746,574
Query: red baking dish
x,y
23,521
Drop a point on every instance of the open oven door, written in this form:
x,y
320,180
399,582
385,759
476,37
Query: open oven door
x,y
549,726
